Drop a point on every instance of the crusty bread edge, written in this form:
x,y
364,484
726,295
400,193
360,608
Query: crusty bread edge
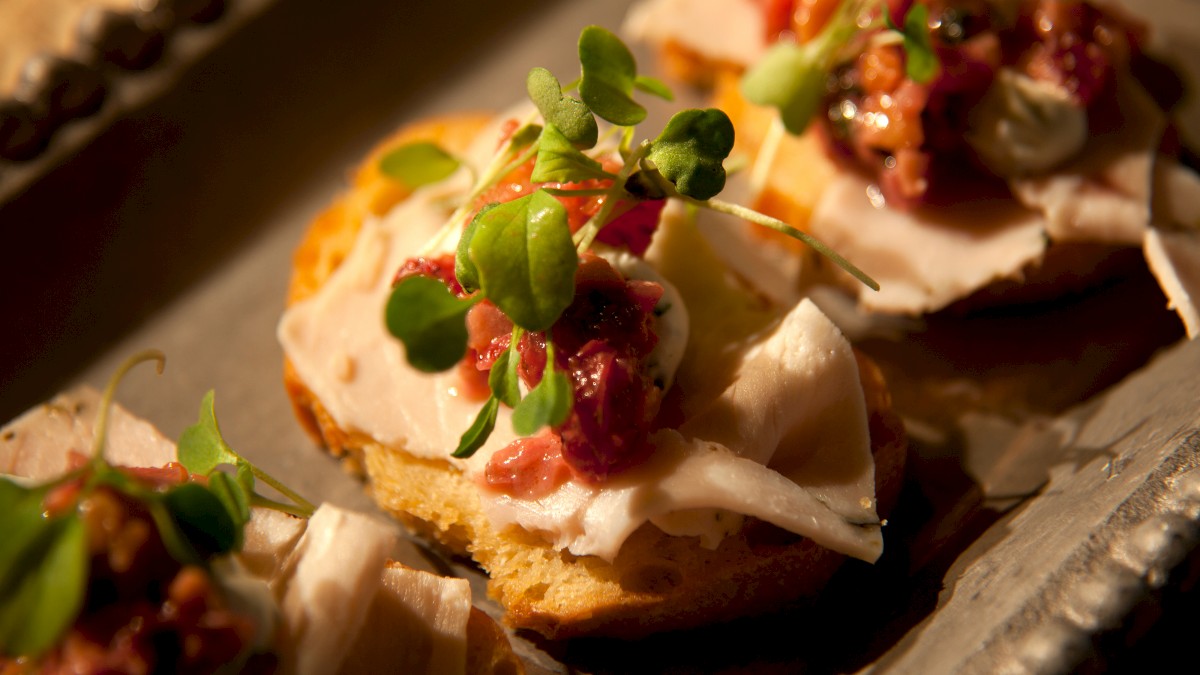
x,y
657,582
326,243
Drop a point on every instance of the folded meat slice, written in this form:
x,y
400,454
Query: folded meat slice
x,y
39,444
1104,193
776,429
334,576
431,611
926,259
345,607
1174,257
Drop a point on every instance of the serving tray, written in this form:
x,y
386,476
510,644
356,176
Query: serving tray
x,y
169,222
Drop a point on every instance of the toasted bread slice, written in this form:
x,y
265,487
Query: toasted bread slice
x,y
657,582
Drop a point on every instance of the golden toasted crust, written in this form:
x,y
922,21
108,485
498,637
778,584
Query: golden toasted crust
x,y
657,582
331,235
323,248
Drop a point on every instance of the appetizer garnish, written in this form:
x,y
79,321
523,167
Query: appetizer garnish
x,y
646,415
795,77
202,451
102,545
162,566
1012,99
525,256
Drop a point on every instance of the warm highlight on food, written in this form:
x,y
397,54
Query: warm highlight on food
x,y
536,359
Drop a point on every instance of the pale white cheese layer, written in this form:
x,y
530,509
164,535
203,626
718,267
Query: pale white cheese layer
x,y
339,346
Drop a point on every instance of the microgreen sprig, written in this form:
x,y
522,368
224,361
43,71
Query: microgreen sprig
x,y
203,450
417,164
43,571
921,62
548,404
44,558
521,255
43,555
794,77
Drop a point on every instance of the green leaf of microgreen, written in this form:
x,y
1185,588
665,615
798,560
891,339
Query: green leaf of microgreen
x,y
887,18
475,436
464,269
569,115
22,521
503,379
654,87
526,260
793,78
921,62
419,163
11,494
548,404
45,592
173,538
524,137
431,322
609,75
202,518
690,150
201,447
559,161
235,498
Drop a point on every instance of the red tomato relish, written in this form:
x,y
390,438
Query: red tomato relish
x,y
910,136
601,341
143,612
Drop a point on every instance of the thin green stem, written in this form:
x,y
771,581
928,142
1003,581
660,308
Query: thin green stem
x,y
780,226
100,436
496,169
290,509
580,192
305,506
587,234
